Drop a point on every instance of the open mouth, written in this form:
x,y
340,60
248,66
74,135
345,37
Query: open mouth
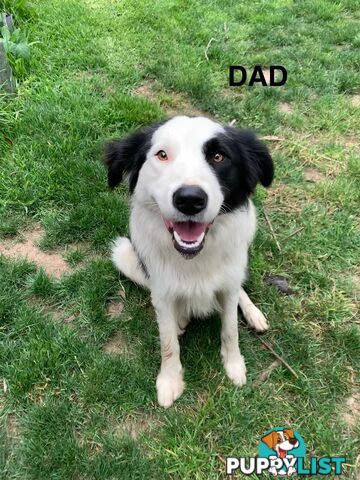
x,y
282,452
188,237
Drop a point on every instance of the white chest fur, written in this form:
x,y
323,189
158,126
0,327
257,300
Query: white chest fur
x,y
194,283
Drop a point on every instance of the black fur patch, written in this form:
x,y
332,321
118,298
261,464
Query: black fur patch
x,y
247,161
127,156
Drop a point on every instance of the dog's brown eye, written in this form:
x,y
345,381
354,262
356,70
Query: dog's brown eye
x,y
218,158
162,155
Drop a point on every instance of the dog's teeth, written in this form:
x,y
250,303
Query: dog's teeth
x,y
177,237
189,245
200,239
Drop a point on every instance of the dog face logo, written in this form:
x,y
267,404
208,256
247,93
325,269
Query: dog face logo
x,y
282,453
282,441
284,444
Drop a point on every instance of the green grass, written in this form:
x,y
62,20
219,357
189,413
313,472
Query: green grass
x,y
72,411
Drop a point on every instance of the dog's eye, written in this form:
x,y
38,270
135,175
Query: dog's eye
x,y
161,155
218,158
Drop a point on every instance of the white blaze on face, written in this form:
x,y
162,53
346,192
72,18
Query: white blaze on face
x,y
284,446
182,138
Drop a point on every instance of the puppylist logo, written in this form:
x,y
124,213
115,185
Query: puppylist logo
x,y
282,453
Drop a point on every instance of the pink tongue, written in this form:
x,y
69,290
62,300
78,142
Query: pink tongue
x,y
189,231
282,453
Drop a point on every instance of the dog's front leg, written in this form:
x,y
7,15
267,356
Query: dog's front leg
x,y
169,383
233,360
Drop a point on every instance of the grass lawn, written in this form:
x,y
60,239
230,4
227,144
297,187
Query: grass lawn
x,y
79,350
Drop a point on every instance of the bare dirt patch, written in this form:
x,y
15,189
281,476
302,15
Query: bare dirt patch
x,y
117,345
351,414
173,103
84,74
55,312
351,141
146,90
12,426
233,93
313,176
355,100
114,307
285,107
57,315
52,262
134,426
355,278
177,104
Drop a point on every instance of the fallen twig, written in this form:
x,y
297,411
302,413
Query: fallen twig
x,y
272,231
276,355
265,374
232,122
295,232
212,39
272,138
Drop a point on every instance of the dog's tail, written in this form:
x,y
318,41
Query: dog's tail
x,y
127,261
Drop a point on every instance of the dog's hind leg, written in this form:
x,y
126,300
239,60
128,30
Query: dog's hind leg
x,y
252,314
127,261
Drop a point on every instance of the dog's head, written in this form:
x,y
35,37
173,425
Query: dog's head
x,y
189,170
281,441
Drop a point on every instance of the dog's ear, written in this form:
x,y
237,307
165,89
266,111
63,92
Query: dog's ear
x,y
115,161
126,156
270,440
260,167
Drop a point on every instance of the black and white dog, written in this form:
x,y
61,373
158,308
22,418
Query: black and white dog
x,y
191,225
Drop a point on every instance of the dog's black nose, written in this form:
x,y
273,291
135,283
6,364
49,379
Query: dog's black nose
x,y
293,441
190,199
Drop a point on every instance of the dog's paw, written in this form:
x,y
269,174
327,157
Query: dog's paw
x,y
236,371
256,319
169,388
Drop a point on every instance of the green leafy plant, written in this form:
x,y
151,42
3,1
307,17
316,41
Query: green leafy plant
x,y
17,48
15,43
